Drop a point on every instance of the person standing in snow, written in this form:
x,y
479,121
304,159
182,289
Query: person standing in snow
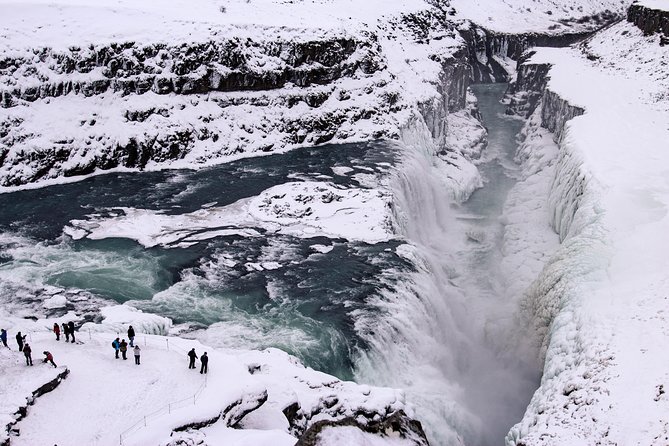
x,y
70,326
66,332
124,348
131,335
137,350
193,356
48,357
3,337
56,329
204,359
20,340
27,352
117,345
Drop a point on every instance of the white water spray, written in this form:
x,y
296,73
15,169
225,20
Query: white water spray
x,y
431,337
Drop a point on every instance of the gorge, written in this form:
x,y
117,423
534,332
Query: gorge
x,y
359,197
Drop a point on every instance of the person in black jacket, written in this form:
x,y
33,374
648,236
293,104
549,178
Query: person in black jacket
x,y
70,326
27,352
193,356
20,340
204,359
66,332
131,336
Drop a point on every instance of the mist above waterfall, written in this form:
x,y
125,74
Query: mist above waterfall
x,y
448,335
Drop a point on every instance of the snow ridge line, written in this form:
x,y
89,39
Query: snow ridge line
x,y
22,412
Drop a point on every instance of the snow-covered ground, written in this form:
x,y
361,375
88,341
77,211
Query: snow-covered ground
x,y
105,400
601,299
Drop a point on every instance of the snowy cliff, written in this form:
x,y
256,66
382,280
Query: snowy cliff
x,y
597,305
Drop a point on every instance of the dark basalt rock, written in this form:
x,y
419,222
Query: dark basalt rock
x,y
232,414
650,21
397,425
188,68
489,43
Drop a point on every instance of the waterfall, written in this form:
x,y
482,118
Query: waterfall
x,y
434,332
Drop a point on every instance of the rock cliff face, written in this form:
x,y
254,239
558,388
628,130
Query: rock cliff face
x,y
490,53
228,64
650,20
130,105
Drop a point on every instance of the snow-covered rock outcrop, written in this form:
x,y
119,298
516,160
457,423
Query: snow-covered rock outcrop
x,y
651,16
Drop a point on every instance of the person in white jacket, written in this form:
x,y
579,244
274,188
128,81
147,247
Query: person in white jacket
x,y
137,351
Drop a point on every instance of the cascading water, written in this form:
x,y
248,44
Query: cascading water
x,y
415,313
434,334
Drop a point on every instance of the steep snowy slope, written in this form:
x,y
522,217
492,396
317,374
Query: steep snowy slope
x,y
599,304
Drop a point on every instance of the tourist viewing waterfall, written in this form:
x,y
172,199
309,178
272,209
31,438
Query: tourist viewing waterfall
x,y
334,222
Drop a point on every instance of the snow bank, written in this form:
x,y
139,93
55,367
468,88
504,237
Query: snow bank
x,y
117,318
598,304
303,209
539,16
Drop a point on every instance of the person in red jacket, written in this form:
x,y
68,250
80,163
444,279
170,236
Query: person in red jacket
x,y
56,329
48,357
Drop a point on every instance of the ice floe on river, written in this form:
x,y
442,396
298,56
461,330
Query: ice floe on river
x,y
302,209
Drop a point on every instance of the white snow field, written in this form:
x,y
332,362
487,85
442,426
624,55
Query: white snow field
x,y
105,400
601,299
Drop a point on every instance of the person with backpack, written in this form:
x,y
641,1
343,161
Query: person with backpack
x,y
66,332
56,329
20,340
48,357
131,335
117,346
70,327
193,356
124,348
27,351
137,350
3,337
204,359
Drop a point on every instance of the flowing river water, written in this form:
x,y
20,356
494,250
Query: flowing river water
x,y
413,312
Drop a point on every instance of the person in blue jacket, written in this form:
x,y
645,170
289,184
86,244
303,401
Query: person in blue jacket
x,y
117,346
3,337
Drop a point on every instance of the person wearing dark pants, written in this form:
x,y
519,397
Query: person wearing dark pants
x,y
27,352
66,332
204,359
117,345
137,351
131,336
192,357
48,357
56,330
70,326
124,349
3,337
20,340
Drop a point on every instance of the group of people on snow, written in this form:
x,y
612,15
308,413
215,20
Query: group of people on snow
x,y
26,349
122,346
68,331
204,360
